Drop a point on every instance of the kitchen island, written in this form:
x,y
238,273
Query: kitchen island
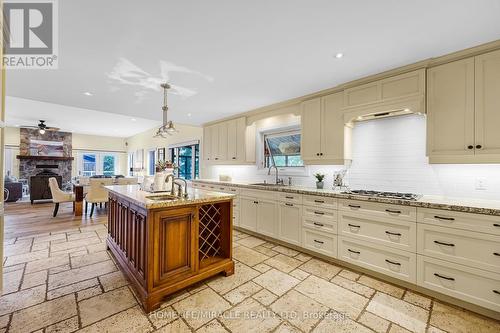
x,y
164,243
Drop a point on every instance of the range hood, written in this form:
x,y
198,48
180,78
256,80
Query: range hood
x,y
412,105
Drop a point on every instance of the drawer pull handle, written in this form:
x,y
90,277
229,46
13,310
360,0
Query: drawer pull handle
x,y
319,201
444,277
289,204
393,211
496,225
221,188
322,225
496,292
319,213
320,242
354,225
443,243
354,206
352,251
288,197
393,233
392,262
444,218
496,254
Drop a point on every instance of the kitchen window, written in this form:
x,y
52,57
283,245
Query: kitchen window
x,y
282,149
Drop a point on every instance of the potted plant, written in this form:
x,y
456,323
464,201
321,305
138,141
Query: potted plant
x,y
163,165
319,180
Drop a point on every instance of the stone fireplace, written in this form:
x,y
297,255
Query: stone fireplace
x,y
31,165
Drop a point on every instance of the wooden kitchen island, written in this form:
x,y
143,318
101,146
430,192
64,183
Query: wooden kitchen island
x,y
163,245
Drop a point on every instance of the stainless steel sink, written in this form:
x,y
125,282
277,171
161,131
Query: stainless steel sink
x,y
267,184
164,197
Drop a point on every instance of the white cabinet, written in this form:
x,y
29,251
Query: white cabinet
x,y
462,104
259,214
225,141
323,130
248,213
266,217
487,104
290,221
450,109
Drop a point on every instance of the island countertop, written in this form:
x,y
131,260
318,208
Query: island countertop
x,y
141,198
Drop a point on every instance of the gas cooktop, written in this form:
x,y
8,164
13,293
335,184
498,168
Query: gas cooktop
x,y
381,194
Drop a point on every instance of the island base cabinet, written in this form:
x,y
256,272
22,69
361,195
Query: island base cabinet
x,y
164,250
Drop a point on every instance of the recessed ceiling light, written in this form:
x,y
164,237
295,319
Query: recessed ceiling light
x,y
339,55
88,93
189,115
133,119
17,125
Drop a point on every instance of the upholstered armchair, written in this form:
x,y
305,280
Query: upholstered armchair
x,y
97,194
59,195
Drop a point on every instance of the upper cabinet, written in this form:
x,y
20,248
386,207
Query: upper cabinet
x,y
224,142
463,104
324,133
405,91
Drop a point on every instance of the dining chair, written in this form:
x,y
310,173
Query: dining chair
x,y
97,194
59,195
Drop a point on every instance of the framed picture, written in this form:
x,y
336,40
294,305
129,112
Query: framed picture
x,y
46,148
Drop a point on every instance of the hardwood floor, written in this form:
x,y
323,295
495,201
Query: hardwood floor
x,y
22,218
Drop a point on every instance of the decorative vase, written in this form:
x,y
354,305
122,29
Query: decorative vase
x,y
319,185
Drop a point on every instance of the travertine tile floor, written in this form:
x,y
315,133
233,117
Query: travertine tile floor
x,y
66,281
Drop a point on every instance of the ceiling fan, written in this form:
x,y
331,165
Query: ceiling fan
x,y
42,128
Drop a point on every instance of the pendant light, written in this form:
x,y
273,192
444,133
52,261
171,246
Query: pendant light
x,y
168,126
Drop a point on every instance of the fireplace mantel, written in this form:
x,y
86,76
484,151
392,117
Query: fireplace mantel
x,y
45,158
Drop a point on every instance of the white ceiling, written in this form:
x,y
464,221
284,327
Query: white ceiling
x,y
227,56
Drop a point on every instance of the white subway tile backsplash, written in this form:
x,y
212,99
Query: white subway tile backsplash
x,y
389,155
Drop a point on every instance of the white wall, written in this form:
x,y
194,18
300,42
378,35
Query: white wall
x,y
389,154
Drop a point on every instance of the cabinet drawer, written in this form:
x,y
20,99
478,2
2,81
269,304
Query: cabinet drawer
x,y
396,263
319,201
320,219
463,247
469,284
381,230
319,242
233,190
290,197
466,221
378,209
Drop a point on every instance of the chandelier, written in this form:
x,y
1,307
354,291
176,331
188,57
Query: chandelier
x,y
168,126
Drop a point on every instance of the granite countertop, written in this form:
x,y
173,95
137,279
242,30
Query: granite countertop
x,y
140,198
477,206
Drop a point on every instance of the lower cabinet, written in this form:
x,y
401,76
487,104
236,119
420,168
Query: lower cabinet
x,y
396,263
290,222
463,282
320,242
258,215
248,213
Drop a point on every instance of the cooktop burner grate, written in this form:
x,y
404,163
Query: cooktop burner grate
x,y
381,194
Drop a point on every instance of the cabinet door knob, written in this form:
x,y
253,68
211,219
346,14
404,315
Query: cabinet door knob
x,y
317,154
479,146
321,154
470,147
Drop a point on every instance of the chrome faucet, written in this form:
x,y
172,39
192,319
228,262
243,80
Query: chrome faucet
x,y
278,180
182,190
170,176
